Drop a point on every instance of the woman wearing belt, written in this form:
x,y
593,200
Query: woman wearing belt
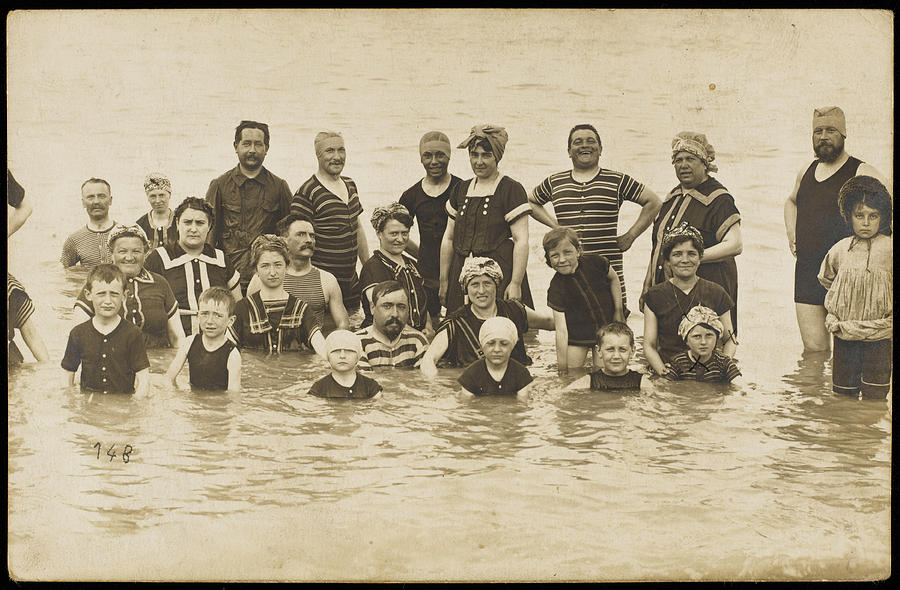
x,y
703,203
488,216
191,265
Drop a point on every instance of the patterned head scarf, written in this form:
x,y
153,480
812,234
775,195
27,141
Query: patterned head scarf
x,y
700,316
830,117
477,266
695,143
381,215
434,141
343,340
268,243
156,181
496,136
497,327
127,231
678,233
324,139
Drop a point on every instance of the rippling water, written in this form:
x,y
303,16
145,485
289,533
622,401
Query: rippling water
x,y
775,479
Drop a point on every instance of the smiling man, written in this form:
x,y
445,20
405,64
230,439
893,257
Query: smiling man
x,y
248,200
89,245
813,220
587,199
390,341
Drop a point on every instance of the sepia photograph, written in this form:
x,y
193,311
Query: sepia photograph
x,y
449,295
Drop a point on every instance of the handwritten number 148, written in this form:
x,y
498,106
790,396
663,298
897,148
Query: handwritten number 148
x,y
126,453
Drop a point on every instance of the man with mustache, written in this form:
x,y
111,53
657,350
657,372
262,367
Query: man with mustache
x,y
390,341
331,201
317,287
248,200
587,198
89,245
813,221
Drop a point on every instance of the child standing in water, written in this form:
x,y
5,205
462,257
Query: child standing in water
x,y
701,329
343,349
109,349
584,295
214,362
858,273
615,343
496,373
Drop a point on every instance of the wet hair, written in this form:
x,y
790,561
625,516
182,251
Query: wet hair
x,y
106,273
268,243
615,328
385,288
586,127
193,203
97,181
481,142
218,295
556,235
251,125
865,190
283,227
670,244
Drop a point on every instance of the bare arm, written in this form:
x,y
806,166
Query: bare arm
x,y
428,330
142,383
16,216
178,362
562,342
732,244
519,231
334,298
540,319
651,353
650,205
234,370
175,329
615,289
790,216
70,378
317,341
33,340
435,351
525,391
729,346
446,256
236,293
540,213
362,244
580,383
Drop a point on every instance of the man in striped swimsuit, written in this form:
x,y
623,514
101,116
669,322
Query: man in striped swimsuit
x,y
587,199
390,341
89,245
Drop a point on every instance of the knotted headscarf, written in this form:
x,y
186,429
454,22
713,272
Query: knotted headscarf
x,y
434,141
678,233
700,316
497,327
381,215
830,117
127,231
477,266
268,243
343,340
695,143
156,181
324,139
496,136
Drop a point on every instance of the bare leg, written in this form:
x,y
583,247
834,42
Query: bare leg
x,y
34,341
575,356
811,319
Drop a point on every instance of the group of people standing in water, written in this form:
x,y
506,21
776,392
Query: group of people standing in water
x,y
252,266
